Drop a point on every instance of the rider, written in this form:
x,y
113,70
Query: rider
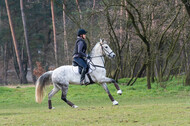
x,y
80,55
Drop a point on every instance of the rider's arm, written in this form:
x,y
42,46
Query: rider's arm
x,y
80,47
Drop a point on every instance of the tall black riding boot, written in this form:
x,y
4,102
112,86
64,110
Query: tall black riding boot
x,y
82,79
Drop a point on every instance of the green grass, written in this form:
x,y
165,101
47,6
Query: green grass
x,y
138,106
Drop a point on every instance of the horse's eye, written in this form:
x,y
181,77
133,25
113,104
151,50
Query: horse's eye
x,y
106,47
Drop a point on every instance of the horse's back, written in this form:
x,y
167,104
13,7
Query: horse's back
x,y
65,74
62,70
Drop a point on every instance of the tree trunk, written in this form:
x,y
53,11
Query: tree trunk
x,y
129,46
21,75
92,19
80,12
66,53
187,5
185,50
186,59
24,60
26,40
187,80
54,33
120,25
153,26
148,74
5,64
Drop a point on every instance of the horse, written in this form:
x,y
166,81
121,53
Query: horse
x,y
62,76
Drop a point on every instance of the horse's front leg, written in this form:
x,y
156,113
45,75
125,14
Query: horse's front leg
x,y
110,80
104,85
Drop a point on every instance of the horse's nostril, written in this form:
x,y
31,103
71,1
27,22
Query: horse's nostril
x,y
113,55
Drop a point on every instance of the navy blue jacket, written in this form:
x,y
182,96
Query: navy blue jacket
x,y
80,48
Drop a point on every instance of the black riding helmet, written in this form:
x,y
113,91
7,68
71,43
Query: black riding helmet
x,y
81,32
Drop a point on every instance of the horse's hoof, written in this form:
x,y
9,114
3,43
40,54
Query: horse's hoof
x,y
119,92
52,108
75,106
115,102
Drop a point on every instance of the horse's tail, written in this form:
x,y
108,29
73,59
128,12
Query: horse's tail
x,y
40,85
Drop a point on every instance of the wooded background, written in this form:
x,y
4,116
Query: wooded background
x,y
150,38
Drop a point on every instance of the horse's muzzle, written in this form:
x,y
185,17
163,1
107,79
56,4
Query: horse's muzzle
x,y
112,55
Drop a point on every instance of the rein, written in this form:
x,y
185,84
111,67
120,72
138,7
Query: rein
x,y
103,50
94,64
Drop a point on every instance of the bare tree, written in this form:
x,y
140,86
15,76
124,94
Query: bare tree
x,y
79,10
66,53
160,68
187,80
121,27
21,74
26,40
143,37
91,25
54,33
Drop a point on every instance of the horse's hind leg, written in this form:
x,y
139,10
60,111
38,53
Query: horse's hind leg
x,y
104,85
64,95
51,94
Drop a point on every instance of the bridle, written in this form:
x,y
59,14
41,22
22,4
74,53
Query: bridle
x,y
104,51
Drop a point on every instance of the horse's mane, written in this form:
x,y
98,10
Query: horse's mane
x,y
97,44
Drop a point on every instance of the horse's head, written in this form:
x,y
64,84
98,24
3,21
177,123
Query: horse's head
x,y
106,49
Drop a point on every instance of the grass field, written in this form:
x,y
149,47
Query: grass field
x,y
138,106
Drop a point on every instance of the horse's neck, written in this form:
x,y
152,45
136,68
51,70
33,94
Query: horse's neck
x,y
98,61
97,54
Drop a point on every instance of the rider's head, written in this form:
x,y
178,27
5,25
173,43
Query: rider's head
x,y
82,33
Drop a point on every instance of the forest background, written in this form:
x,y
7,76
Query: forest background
x,y
150,38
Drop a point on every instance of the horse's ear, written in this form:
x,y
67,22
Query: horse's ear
x,y
101,41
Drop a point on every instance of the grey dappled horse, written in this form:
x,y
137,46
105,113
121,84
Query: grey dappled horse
x,y
62,76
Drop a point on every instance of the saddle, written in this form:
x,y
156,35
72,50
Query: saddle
x,y
87,72
80,68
